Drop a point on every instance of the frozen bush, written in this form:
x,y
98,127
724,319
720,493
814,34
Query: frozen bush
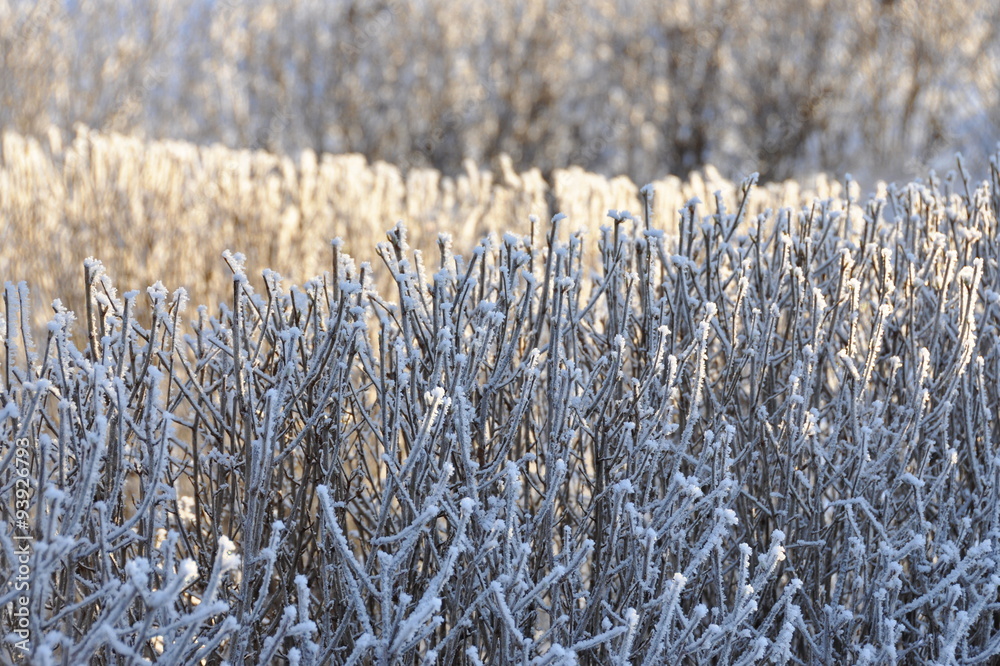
x,y
761,438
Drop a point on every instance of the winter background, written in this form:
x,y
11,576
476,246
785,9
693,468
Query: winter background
x,y
650,333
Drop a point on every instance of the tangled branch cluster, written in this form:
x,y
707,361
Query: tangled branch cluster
x,y
764,438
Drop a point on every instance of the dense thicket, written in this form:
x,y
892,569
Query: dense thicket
x,y
762,438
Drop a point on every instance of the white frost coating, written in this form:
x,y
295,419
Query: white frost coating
x,y
157,292
617,468
912,480
228,557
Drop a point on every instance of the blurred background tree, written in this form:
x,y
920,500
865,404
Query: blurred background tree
x,y
616,86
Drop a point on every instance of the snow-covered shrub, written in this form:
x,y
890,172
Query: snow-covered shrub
x,y
762,439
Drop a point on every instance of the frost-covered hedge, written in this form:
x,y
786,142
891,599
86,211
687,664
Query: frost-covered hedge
x,y
761,439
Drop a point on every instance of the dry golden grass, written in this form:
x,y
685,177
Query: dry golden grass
x,y
166,210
